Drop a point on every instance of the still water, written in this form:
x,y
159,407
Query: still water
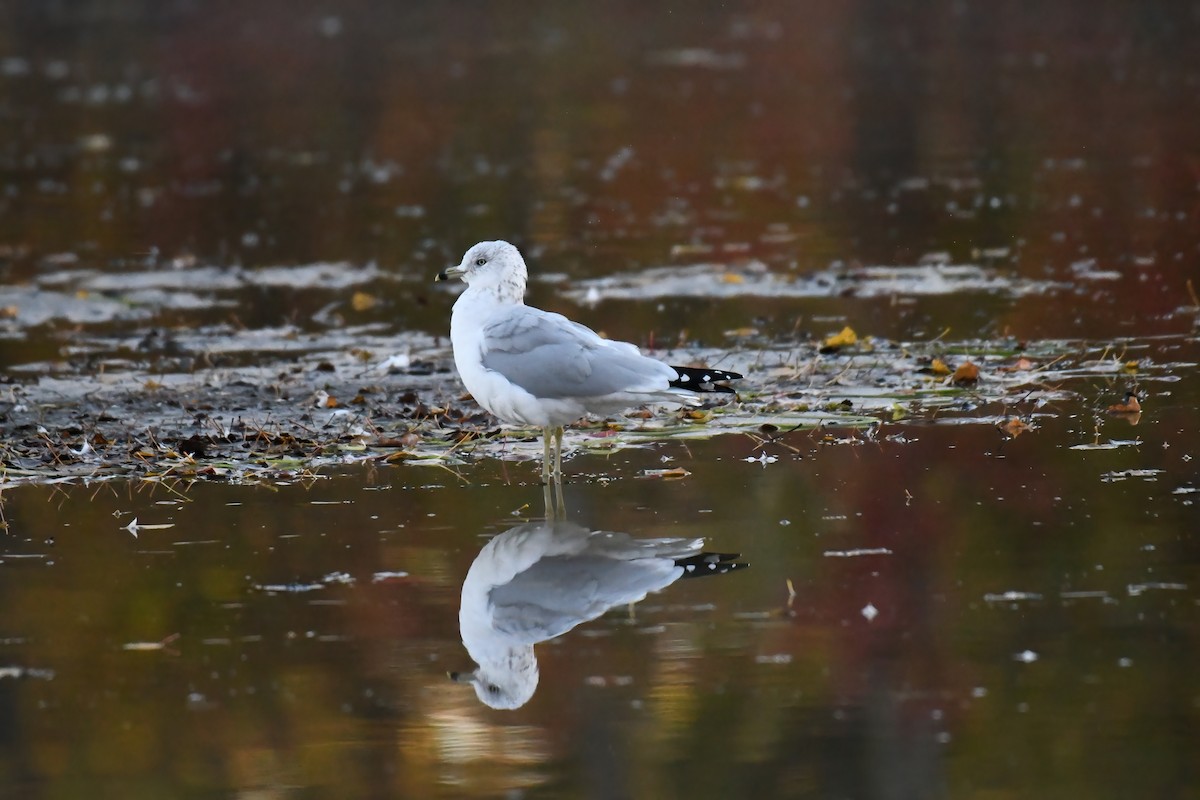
x,y
950,616
931,607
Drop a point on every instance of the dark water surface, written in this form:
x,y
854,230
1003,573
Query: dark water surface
x,y
930,610
969,618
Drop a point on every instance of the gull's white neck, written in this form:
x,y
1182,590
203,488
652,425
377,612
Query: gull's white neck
x,y
481,299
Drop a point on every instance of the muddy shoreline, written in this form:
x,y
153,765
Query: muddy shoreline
x,y
270,405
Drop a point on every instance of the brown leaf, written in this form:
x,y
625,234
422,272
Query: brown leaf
x,y
967,372
673,474
1131,405
1022,364
1013,427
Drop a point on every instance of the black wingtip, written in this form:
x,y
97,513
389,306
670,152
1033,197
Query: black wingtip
x,y
709,564
703,379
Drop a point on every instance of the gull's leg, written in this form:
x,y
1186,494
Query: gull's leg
x,y
558,437
546,456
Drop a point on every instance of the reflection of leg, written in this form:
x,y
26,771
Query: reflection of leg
x,y
546,456
561,513
551,512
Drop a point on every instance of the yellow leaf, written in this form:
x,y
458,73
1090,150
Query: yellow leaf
x,y
846,338
732,277
938,367
361,301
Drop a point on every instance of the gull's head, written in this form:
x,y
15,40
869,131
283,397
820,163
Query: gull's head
x,y
495,265
503,685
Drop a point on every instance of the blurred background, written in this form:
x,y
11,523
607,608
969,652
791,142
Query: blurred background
x,y
936,612
1052,140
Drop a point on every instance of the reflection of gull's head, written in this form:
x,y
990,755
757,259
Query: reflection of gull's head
x,y
507,682
541,579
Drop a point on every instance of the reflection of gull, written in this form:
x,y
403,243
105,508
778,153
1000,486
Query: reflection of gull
x,y
541,579
531,367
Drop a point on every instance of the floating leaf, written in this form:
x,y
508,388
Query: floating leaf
x,y
845,338
361,301
1130,405
967,372
1014,427
673,474
938,367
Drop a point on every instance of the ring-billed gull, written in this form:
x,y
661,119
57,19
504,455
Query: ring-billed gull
x,y
541,579
532,367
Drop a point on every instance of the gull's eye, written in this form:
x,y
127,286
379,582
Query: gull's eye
x,y
479,262
493,688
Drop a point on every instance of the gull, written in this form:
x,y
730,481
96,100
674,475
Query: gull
x,y
533,367
539,580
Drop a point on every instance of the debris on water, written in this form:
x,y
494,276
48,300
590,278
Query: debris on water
x,y
869,612
774,658
1125,474
1111,444
1137,589
162,644
756,279
385,576
38,673
1025,656
862,551
134,526
1011,596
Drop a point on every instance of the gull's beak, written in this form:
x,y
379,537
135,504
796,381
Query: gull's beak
x,y
461,677
456,271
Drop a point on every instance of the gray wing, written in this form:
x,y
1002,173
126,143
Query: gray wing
x,y
557,593
553,358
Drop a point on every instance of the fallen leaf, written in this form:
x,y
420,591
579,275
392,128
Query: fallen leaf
x,y
1130,405
361,301
845,338
673,474
732,277
324,399
1021,365
1014,427
967,372
938,367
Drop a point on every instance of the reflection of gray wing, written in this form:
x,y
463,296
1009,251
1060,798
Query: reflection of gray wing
x,y
551,357
558,593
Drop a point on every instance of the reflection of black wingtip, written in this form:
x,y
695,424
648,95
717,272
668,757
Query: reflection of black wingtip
x,y
710,564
